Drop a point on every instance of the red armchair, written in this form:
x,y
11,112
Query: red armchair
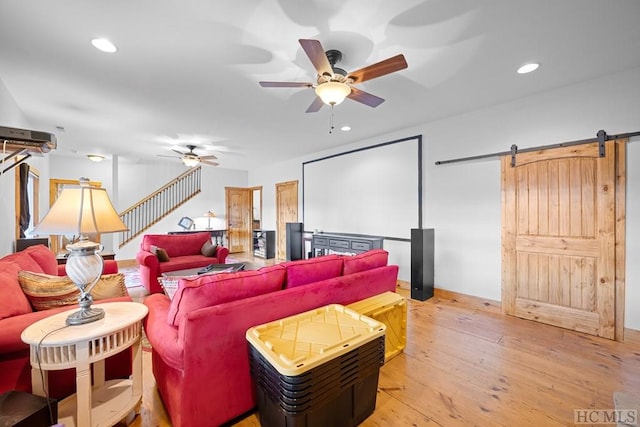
x,y
184,251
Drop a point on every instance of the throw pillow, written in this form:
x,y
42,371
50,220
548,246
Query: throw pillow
x,y
13,301
365,261
209,249
162,255
45,292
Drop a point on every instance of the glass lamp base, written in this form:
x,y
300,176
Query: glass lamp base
x,y
85,315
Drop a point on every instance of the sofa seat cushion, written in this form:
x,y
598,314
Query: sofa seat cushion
x,y
365,261
313,270
45,292
186,262
214,289
13,301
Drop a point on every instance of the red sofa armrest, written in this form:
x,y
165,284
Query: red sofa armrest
x,y
148,259
159,332
222,254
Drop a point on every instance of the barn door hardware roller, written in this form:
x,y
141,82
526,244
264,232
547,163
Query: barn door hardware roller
x,y
602,137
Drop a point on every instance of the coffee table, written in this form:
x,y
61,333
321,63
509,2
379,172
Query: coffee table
x,y
55,345
169,280
215,268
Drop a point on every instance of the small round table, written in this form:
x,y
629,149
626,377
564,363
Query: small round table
x,y
55,345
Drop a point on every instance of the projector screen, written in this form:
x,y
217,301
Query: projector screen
x,y
375,190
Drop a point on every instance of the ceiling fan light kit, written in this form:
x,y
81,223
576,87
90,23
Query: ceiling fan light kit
x,y
190,161
333,93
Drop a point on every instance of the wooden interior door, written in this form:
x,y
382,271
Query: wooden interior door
x,y
239,219
559,212
286,211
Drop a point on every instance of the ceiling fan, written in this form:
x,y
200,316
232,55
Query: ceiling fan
x,y
335,84
191,159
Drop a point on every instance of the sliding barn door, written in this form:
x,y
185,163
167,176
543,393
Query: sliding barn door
x,y
559,237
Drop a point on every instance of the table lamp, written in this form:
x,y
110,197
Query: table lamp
x,y
209,215
83,210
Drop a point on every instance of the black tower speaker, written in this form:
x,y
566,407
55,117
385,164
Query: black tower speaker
x,y
294,249
422,252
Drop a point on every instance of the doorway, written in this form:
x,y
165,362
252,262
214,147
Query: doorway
x,y
244,214
286,211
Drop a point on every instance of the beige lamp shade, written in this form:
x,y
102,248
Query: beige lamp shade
x,y
210,214
80,211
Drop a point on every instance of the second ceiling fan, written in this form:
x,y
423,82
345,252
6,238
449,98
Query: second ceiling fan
x,y
191,159
335,84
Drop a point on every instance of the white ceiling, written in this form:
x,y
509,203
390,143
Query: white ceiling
x,y
188,71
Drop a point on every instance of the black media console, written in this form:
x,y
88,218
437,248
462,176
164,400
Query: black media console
x,y
322,243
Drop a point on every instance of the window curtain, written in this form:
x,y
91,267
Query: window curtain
x,y
25,215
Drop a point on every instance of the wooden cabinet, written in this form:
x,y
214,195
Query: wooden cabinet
x,y
264,243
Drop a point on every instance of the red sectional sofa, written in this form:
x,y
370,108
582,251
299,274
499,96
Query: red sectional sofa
x,y
16,314
184,251
200,353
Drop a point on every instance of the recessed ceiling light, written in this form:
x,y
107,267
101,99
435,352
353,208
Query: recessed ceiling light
x,y
345,128
527,68
104,45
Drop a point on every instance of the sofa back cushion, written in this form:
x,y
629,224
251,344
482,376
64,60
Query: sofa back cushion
x,y
25,261
176,244
45,258
214,289
365,261
313,270
13,301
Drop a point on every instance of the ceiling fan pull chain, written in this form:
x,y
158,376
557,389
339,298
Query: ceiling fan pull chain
x,y
331,121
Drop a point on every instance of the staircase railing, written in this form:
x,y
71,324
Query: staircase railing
x,y
160,203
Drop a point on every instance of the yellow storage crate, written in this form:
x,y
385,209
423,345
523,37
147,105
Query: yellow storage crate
x,y
298,343
390,309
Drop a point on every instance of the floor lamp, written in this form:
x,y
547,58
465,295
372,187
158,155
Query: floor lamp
x,y
81,211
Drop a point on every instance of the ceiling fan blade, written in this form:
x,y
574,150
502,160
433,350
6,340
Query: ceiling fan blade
x,y
317,55
378,69
315,106
286,84
365,97
171,157
208,157
178,152
208,163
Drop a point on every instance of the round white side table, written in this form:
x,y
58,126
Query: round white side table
x,y
55,345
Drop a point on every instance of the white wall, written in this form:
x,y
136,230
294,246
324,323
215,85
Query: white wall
x,y
462,201
12,116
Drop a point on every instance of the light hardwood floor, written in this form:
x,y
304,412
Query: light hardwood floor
x,y
467,364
